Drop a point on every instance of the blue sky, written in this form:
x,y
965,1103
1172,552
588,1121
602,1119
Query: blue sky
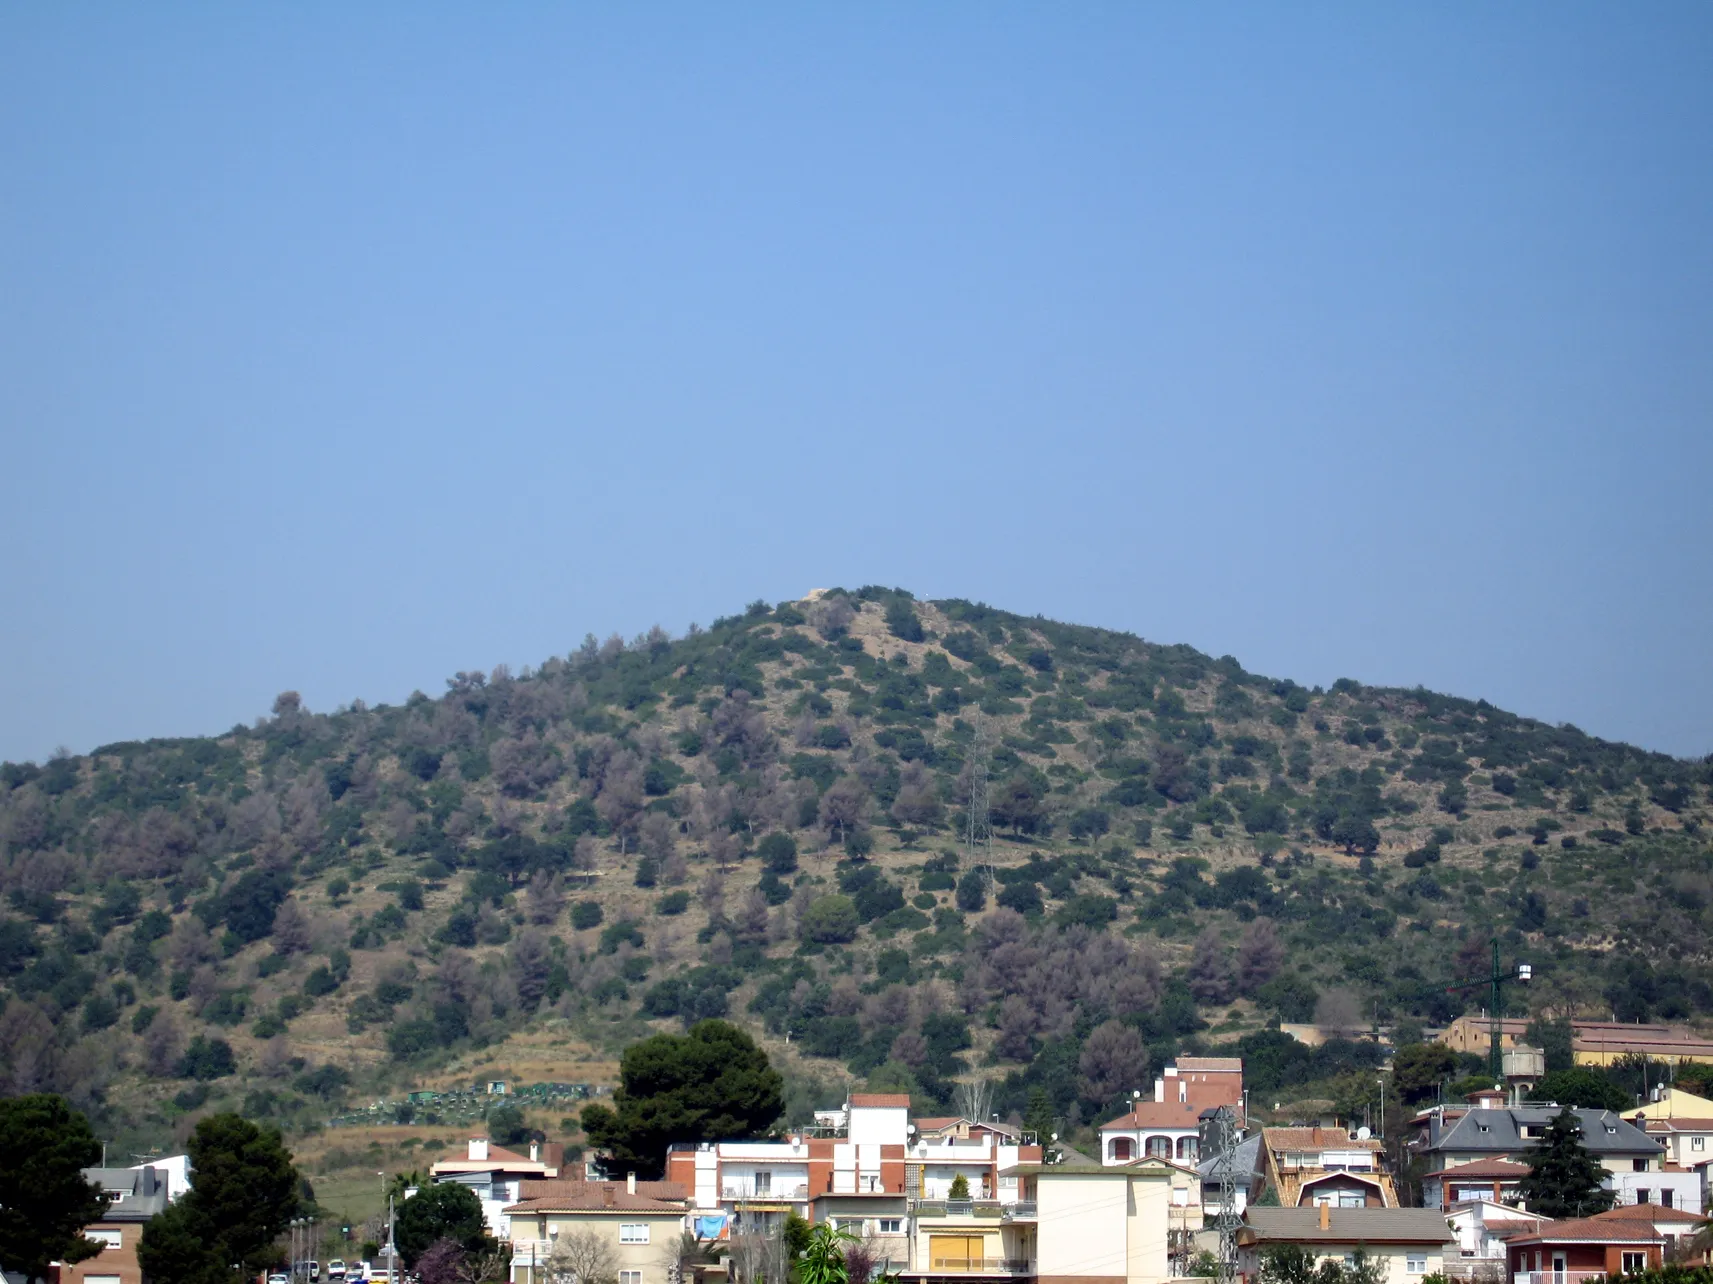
x,y
342,347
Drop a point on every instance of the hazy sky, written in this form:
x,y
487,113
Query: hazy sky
x,y
345,346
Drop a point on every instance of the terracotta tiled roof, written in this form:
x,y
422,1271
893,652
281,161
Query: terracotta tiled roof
x,y
1346,1225
936,1122
1211,1063
890,1099
599,1196
1645,1213
1480,1168
1599,1230
1681,1125
1157,1114
1314,1139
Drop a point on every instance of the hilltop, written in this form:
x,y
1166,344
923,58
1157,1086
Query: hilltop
x,y
767,819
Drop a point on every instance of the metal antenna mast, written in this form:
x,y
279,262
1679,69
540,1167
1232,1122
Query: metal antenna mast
x,y
1226,1222
978,831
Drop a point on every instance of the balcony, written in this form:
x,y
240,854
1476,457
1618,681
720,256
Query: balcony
x,y
982,1266
782,1192
1023,1210
1556,1277
958,1207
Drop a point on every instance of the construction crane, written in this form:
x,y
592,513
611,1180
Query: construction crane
x,y
1495,981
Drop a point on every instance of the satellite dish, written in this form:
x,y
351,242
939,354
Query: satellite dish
x,y
1363,1133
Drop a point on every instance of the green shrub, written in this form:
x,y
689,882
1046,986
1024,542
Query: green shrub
x,y
586,914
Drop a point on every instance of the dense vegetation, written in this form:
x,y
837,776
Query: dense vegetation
x,y
764,821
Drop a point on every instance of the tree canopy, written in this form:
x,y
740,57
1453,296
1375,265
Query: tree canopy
x,y
1564,1179
45,1202
244,1190
710,1084
445,1210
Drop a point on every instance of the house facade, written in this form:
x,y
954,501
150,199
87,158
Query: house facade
x,y
134,1195
871,1177
1572,1251
1169,1126
1494,1180
1405,1243
1333,1166
641,1222
496,1175
1448,1139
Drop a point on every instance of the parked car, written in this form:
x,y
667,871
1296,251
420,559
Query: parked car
x,y
336,1269
314,1270
278,1277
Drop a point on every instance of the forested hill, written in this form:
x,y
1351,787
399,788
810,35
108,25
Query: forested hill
x,y
764,818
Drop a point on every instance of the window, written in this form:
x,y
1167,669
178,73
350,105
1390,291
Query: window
x,y
891,1225
1352,1199
1634,1262
1665,1197
1639,1165
633,1232
1698,1143
1644,1195
763,1185
107,1238
630,1277
1416,1264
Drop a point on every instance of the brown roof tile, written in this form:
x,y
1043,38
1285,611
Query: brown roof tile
x,y
1613,1230
890,1099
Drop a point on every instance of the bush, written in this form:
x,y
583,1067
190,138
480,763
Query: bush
x,y
207,1059
586,914
778,853
972,892
673,903
1025,898
830,920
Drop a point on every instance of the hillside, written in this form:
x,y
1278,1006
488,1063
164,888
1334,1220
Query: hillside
x,y
767,819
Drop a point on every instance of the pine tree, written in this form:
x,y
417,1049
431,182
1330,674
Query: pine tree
x,y
1564,1179
1038,1119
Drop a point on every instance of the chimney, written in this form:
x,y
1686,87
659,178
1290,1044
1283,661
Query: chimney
x,y
478,1148
1159,1090
1326,1217
630,1183
535,1152
607,1194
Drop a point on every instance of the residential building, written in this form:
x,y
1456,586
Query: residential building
x,y
1078,1222
1249,1177
1309,1166
1482,1228
1405,1243
1672,1224
1664,1187
1447,1139
642,1221
869,1176
1593,1043
495,1174
1672,1103
1571,1251
1681,1122
1169,1126
134,1195
1490,1179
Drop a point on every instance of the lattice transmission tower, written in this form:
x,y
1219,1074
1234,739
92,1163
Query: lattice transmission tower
x,y
978,829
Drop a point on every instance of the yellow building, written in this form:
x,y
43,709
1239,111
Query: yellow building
x,y
640,1223
1594,1043
1096,1224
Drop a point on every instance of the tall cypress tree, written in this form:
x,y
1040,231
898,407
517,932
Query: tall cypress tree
x,y
1564,1179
